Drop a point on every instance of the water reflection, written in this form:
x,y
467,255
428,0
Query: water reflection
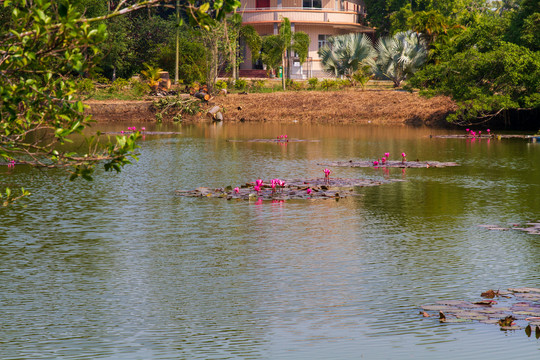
x,y
121,268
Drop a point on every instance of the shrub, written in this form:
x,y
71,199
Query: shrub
x,y
85,86
221,84
118,85
327,84
362,76
240,84
291,85
312,83
139,88
257,84
343,83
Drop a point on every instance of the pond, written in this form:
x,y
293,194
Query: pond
x,y
122,268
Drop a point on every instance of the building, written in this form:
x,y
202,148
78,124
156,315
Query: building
x,y
320,19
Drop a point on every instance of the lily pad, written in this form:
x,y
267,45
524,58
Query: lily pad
x,y
390,163
299,189
282,141
518,308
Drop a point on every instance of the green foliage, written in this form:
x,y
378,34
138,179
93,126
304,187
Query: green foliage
x,y
344,83
252,39
312,83
221,84
119,85
9,197
531,28
485,83
44,46
85,86
192,58
139,88
151,74
240,84
327,84
300,45
277,49
400,56
362,76
345,54
257,85
120,59
429,24
271,51
294,85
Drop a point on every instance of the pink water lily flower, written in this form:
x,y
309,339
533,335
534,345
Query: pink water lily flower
x,y
237,190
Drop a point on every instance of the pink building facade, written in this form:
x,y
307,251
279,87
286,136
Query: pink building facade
x,y
320,19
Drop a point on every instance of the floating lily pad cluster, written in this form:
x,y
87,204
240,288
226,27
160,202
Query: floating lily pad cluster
x,y
277,140
144,132
491,136
515,309
390,163
320,188
531,228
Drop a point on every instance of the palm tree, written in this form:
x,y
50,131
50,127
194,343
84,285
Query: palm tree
x,y
271,51
283,45
234,30
400,56
345,54
430,24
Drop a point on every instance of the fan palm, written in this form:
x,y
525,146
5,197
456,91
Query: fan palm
x,y
400,56
347,53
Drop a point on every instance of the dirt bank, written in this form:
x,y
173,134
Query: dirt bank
x,y
333,107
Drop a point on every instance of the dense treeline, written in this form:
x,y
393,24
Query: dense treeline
x,y
484,54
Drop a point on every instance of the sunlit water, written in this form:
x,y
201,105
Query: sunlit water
x,y
121,268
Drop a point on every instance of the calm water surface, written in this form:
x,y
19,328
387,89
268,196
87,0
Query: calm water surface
x,y
121,268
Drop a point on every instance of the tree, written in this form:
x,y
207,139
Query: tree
x,y
400,56
46,45
271,51
234,31
346,54
283,45
484,84
429,24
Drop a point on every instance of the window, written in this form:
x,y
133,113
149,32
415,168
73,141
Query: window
x,y
262,3
323,40
312,4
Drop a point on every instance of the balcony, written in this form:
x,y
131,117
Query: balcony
x,y
302,15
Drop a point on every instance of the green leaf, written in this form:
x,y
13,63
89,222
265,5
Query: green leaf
x,y
204,7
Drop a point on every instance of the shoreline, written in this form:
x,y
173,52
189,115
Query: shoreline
x,y
349,106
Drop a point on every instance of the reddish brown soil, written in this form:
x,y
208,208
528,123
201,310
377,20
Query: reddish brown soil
x,y
333,107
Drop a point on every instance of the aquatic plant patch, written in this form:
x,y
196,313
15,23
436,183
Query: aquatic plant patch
x,y
274,140
390,163
515,309
294,189
531,227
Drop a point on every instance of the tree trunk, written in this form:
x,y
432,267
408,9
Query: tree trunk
x,y
177,59
288,64
283,83
202,95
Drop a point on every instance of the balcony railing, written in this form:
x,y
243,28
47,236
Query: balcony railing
x,y
301,15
